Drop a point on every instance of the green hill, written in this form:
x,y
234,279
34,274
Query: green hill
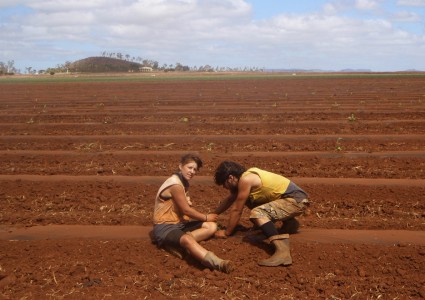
x,y
103,64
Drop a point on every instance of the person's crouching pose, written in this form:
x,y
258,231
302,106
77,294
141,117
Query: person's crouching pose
x,y
177,226
271,197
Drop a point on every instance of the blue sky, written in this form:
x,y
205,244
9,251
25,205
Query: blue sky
x,y
274,34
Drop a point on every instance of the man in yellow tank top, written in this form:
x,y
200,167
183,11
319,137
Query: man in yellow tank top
x,y
271,197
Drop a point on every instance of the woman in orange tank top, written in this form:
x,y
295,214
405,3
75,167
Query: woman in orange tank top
x,y
178,227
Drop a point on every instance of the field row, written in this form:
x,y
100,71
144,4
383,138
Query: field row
x,y
266,88
136,269
217,143
137,163
336,203
199,106
110,127
208,116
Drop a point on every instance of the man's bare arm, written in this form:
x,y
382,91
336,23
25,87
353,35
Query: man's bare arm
x,y
244,188
225,204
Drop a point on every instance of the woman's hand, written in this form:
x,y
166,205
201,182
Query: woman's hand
x,y
211,218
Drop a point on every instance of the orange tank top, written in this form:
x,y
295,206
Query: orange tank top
x,y
165,212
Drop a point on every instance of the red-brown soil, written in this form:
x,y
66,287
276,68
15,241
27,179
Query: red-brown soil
x,y
81,161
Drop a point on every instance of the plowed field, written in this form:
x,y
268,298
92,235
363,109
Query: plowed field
x,y
82,158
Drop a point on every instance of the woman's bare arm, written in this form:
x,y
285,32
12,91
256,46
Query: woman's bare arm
x,y
179,198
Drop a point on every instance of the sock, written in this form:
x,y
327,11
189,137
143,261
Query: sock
x,y
269,229
212,261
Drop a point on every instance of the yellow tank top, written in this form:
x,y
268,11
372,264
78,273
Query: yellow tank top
x,y
273,186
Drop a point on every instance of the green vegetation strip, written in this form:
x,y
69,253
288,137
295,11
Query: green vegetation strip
x,y
194,77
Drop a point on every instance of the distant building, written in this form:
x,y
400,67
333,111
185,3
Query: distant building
x,y
145,69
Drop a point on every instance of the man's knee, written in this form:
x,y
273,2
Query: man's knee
x,y
257,213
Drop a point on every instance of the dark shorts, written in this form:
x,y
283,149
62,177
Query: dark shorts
x,y
170,234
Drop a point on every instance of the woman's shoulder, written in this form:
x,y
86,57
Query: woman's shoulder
x,y
170,181
174,179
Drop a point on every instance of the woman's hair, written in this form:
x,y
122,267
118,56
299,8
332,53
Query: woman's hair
x,y
227,168
187,158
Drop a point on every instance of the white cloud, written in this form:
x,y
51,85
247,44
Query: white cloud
x,y
327,42
220,32
366,4
336,6
411,2
9,3
52,6
407,16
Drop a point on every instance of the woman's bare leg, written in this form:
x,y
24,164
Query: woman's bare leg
x,y
205,232
207,258
189,243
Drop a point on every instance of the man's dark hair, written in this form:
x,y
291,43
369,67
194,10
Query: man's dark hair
x,y
227,168
187,158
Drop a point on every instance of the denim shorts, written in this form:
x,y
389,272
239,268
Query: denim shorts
x,y
170,234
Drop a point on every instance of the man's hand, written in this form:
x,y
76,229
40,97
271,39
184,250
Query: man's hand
x,y
220,234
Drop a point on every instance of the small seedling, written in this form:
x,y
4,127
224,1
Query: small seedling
x,y
90,146
336,104
100,106
184,119
169,145
338,146
210,146
351,118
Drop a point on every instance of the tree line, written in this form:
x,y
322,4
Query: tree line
x,y
8,68
177,66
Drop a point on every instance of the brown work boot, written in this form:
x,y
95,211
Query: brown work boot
x,y
213,262
282,255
